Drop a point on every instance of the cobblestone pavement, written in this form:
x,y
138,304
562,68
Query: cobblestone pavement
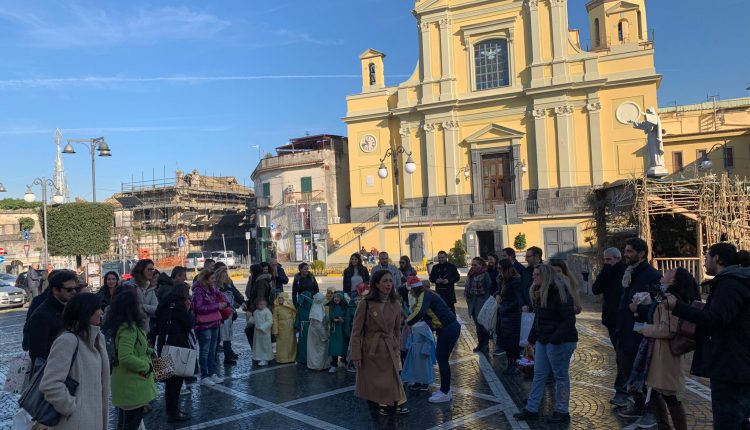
x,y
290,396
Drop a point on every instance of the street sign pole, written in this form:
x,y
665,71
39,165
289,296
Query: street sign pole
x,y
249,259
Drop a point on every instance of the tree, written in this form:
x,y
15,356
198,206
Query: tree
x,y
457,254
79,228
12,204
26,223
520,242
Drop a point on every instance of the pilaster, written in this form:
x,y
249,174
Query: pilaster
x,y
537,71
452,157
559,11
594,108
566,163
426,62
408,182
447,82
540,148
429,177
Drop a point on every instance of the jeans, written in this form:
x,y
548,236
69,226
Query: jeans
x,y
556,359
129,420
731,405
446,341
207,350
625,361
172,389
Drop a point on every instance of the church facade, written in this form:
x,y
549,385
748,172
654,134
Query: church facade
x,y
509,120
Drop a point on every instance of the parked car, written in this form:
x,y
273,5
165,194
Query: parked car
x,y
8,278
226,257
10,296
117,267
196,260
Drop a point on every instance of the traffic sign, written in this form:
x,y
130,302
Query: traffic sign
x,y
273,226
26,248
2,259
248,235
2,251
26,234
181,241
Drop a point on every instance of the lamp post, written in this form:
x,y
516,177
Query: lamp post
x,y
96,144
2,188
410,167
57,198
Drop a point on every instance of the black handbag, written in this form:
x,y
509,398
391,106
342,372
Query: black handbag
x,y
32,399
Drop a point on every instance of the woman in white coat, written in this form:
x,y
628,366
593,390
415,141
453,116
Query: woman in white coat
x,y
81,353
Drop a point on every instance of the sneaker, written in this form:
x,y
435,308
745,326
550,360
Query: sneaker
x,y
185,391
631,412
440,397
382,410
646,421
620,400
424,387
402,410
262,363
178,418
526,415
415,387
217,379
332,370
498,352
558,417
351,368
207,381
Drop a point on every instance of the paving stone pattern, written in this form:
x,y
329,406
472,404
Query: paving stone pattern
x,y
292,397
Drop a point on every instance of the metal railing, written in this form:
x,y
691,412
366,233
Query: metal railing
x,y
360,229
519,208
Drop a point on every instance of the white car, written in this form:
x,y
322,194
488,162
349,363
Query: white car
x,y
226,257
11,297
196,260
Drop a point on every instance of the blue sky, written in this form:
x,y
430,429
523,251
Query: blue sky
x,y
194,85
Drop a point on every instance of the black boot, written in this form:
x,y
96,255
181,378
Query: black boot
x,y
511,368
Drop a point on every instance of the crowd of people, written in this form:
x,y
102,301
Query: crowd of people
x,y
390,328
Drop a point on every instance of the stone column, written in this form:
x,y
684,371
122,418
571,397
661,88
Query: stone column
x,y
559,10
429,172
537,71
447,82
408,180
540,148
452,157
426,62
594,108
566,163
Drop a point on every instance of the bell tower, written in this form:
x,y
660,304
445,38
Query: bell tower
x,y
373,75
617,23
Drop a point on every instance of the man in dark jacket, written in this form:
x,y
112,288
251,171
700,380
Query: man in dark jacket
x,y
609,284
510,255
722,350
46,322
445,275
279,276
33,281
639,277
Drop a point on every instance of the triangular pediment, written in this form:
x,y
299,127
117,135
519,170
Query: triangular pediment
x,y
426,5
494,132
371,53
622,6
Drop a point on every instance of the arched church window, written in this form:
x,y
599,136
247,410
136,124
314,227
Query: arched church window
x,y
491,64
622,31
597,33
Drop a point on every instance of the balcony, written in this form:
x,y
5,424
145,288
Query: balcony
x,y
288,160
509,212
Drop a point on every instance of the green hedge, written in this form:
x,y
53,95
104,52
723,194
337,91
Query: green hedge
x,y
79,228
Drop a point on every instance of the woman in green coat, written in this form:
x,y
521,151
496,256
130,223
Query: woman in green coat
x,y
338,331
133,384
302,324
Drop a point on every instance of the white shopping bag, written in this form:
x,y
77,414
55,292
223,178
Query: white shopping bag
x,y
22,420
527,321
487,317
18,367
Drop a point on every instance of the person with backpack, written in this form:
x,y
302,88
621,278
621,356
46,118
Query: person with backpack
x,y
722,350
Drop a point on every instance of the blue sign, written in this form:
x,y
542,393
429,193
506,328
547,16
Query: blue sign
x,y
181,241
273,226
2,259
26,234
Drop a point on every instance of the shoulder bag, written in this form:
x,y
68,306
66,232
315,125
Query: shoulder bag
x,y
183,359
684,340
32,399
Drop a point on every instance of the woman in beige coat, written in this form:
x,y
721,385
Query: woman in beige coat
x,y
375,342
666,376
80,352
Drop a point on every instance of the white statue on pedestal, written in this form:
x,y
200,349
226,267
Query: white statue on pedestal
x,y
654,133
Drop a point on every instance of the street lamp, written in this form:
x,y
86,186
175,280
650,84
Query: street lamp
x,y
96,144
57,198
302,211
2,188
410,166
704,164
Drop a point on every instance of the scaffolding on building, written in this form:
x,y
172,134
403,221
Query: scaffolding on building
x,y
165,219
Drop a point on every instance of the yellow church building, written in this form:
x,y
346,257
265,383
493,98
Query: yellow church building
x,y
507,122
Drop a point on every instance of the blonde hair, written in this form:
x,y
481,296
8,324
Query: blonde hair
x,y
574,289
222,276
550,277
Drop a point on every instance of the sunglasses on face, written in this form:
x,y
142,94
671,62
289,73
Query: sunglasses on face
x,y
76,289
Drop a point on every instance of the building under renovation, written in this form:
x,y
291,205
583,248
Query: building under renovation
x,y
165,219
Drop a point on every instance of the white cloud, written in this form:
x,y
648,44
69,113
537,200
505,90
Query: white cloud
x,y
287,37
